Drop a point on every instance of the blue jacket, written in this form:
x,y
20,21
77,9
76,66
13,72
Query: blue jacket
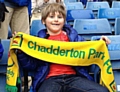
x,y
1,50
41,68
2,1
19,2
12,4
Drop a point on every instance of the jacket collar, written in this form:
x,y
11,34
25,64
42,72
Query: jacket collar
x,y
72,33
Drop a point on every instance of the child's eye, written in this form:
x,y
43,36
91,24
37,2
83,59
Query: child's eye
x,y
51,16
60,17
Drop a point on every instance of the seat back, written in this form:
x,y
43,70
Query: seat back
x,y
90,27
114,52
110,13
69,1
2,82
3,65
78,14
36,26
74,5
115,4
72,0
117,26
95,6
9,33
5,43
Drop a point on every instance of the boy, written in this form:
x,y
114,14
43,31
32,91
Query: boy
x,y
55,77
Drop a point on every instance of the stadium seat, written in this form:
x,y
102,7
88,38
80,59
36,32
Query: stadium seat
x,y
74,5
117,26
9,33
114,52
115,4
3,61
2,82
90,27
69,1
35,27
109,13
94,6
72,1
3,65
78,14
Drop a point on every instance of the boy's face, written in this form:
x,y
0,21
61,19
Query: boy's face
x,y
54,23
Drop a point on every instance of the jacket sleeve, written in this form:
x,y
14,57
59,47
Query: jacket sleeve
x,y
80,38
1,50
1,1
27,61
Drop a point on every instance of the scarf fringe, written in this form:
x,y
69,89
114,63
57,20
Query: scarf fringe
x,y
13,88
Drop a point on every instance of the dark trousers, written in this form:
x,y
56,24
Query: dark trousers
x,y
70,83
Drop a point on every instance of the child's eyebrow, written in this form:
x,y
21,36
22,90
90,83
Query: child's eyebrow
x,y
53,13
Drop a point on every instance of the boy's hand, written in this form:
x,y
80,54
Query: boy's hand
x,y
18,51
106,39
14,34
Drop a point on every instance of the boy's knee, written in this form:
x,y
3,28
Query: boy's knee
x,y
104,89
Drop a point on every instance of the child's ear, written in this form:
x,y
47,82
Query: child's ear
x,y
43,22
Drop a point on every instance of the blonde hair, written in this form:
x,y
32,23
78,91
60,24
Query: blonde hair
x,y
52,8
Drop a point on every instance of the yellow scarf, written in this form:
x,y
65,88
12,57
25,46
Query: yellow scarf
x,y
68,53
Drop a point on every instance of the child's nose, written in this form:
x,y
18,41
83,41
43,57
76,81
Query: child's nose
x,y
56,18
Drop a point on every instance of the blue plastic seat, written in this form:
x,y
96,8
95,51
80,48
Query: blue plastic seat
x,y
78,14
115,4
95,6
109,13
69,1
3,65
5,43
114,52
36,26
2,82
9,33
90,27
72,1
117,26
74,5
